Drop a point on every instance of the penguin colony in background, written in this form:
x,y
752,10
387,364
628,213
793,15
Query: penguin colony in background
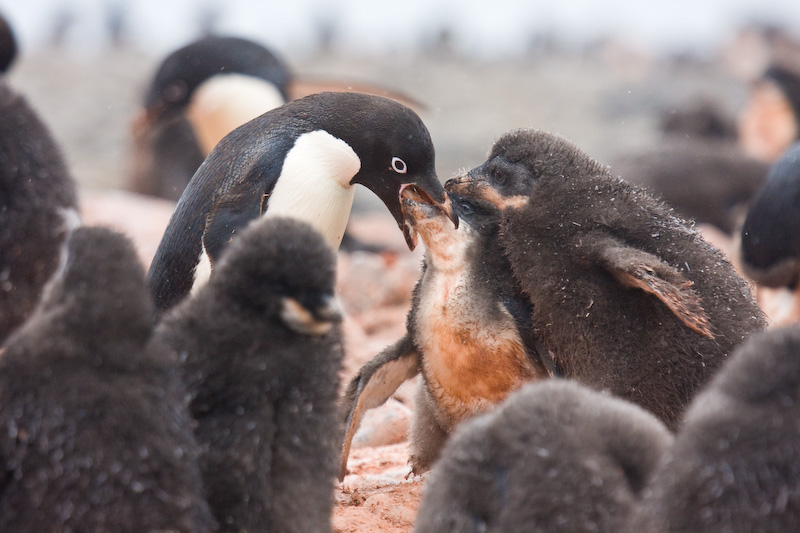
x,y
697,167
38,204
96,434
556,456
262,350
300,160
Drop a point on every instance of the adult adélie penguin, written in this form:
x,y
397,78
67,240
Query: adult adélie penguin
x,y
300,160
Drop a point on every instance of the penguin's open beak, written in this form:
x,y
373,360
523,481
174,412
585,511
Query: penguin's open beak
x,y
475,184
415,193
389,192
415,205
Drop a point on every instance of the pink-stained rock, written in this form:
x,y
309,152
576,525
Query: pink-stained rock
x,y
384,425
367,280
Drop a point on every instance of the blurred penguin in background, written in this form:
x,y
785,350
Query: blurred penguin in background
x,y
8,45
199,94
203,91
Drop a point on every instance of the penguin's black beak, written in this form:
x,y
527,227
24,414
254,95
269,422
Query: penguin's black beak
x,y
388,190
406,226
430,186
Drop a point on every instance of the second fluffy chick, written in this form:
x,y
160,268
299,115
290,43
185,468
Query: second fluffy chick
x,y
262,348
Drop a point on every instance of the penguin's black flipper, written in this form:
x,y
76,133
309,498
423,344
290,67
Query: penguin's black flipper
x,y
210,202
638,269
235,209
374,384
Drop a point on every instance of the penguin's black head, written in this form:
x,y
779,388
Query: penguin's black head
x,y
393,145
517,162
185,69
479,214
283,268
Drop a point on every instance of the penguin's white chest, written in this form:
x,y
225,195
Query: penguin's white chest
x,y
314,185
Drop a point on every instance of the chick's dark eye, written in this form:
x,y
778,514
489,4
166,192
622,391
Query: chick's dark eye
x,y
498,176
465,207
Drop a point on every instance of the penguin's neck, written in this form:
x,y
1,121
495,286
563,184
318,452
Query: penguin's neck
x,y
226,101
314,185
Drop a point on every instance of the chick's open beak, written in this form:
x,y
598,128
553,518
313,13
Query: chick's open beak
x,y
413,195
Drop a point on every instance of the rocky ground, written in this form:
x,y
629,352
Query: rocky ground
x,y
606,99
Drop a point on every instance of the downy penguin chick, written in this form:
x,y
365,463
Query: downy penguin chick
x,y
735,464
556,456
38,204
468,332
626,297
96,434
261,345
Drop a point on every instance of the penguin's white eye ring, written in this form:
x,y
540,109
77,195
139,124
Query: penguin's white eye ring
x,y
399,166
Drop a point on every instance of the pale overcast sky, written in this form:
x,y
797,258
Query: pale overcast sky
x,y
490,28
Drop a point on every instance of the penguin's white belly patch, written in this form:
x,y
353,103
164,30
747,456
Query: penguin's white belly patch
x,y
314,185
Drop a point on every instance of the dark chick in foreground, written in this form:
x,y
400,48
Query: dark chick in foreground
x,y
735,465
301,160
626,297
96,431
556,456
468,332
38,204
261,345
